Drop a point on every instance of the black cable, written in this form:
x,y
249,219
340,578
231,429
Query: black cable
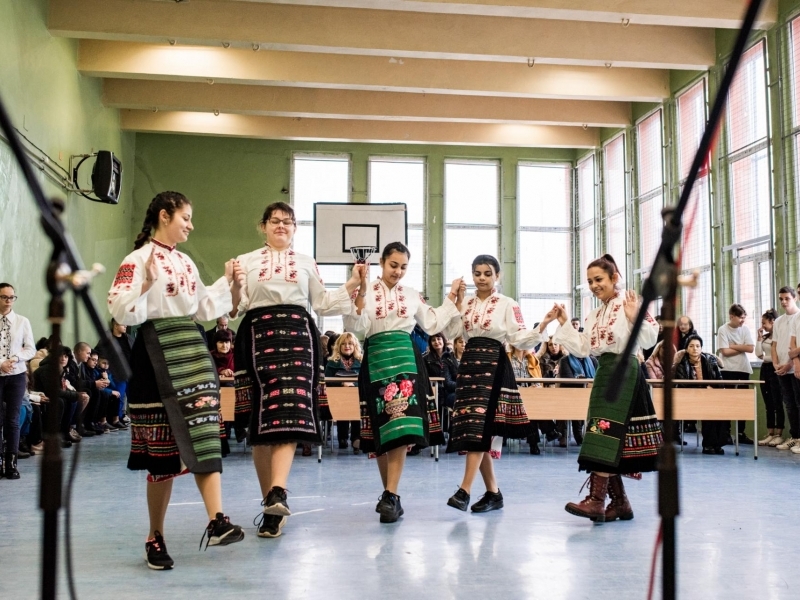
x,y
73,469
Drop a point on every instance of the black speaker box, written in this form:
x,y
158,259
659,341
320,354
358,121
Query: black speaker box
x,y
107,177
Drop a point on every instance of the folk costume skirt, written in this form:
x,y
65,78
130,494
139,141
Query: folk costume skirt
x,y
397,405
173,397
621,437
487,402
276,358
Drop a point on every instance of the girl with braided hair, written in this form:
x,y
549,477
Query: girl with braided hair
x,y
173,394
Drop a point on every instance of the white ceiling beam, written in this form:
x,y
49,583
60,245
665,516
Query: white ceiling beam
x,y
298,69
355,104
717,14
386,33
404,132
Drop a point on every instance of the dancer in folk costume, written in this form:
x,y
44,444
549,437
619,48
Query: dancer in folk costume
x,y
173,394
488,405
397,407
276,355
623,437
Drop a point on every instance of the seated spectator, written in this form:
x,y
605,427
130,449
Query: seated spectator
x,y
685,329
345,361
701,366
41,352
69,401
572,367
458,348
439,362
222,325
526,364
108,399
576,323
654,364
550,355
223,352
80,376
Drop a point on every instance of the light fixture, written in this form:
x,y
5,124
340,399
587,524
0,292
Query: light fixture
x,y
226,44
531,62
256,47
216,112
210,81
171,42
608,65
625,22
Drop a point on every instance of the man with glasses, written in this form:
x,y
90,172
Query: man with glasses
x,y
16,348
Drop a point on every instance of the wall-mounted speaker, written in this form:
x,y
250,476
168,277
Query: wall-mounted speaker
x,y
107,177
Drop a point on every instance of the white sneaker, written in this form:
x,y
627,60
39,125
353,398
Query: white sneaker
x,y
796,449
776,441
766,440
790,443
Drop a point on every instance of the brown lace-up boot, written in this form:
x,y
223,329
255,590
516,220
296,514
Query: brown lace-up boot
x,y
593,506
619,507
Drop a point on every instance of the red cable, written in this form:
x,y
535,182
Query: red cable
x,y
653,565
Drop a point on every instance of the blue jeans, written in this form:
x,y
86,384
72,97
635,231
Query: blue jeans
x,y
12,389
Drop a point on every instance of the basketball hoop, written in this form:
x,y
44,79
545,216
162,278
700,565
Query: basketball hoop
x,y
362,254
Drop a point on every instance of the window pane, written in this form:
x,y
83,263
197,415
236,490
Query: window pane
x,y
304,244
750,196
399,181
615,238
650,225
534,310
747,101
544,195
461,246
697,232
556,247
614,174
319,180
586,196
691,124
415,273
697,305
649,165
471,193
586,242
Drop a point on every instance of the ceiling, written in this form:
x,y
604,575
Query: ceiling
x,y
529,73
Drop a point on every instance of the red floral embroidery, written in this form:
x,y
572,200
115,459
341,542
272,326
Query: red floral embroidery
x,y
125,274
518,317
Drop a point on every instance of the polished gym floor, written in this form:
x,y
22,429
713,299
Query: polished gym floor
x,y
737,533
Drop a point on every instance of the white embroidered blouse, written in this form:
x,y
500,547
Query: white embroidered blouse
x,y
398,309
499,318
607,329
286,277
176,292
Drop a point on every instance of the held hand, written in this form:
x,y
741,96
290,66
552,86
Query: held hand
x,y
560,313
356,277
239,276
630,304
455,286
150,268
230,267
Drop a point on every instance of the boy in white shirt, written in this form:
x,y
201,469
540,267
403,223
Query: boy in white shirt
x,y
734,342
782,332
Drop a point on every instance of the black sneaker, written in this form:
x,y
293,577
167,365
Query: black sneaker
x,y
490,501
275,502
270,525
743,439
389,507
221,532
459,500
156,555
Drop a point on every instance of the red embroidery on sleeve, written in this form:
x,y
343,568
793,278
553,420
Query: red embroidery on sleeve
x,y
518,317
125,274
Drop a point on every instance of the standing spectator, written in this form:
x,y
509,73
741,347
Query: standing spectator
x,y
124,341
699,365
16,348
441,363
685,329
771,388
792,402
222,325
734,342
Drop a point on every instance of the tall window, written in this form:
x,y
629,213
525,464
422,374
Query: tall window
x,y
747,167
319,178
697,302
650,188
614,192
544,230
792,121
472,215
587,232
403,180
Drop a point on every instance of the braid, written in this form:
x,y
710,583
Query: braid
x,y
168,201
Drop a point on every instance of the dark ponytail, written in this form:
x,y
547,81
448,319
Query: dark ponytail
x,y
607,263
168,201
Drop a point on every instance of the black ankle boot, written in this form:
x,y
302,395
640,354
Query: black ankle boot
x,y
10,466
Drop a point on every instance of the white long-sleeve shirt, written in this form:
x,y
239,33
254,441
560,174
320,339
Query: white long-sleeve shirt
x,y
176,291
286,277
607,329
18,342
398,309
497,317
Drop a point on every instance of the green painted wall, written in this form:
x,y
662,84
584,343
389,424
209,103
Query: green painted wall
x,y
61,112
230,181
